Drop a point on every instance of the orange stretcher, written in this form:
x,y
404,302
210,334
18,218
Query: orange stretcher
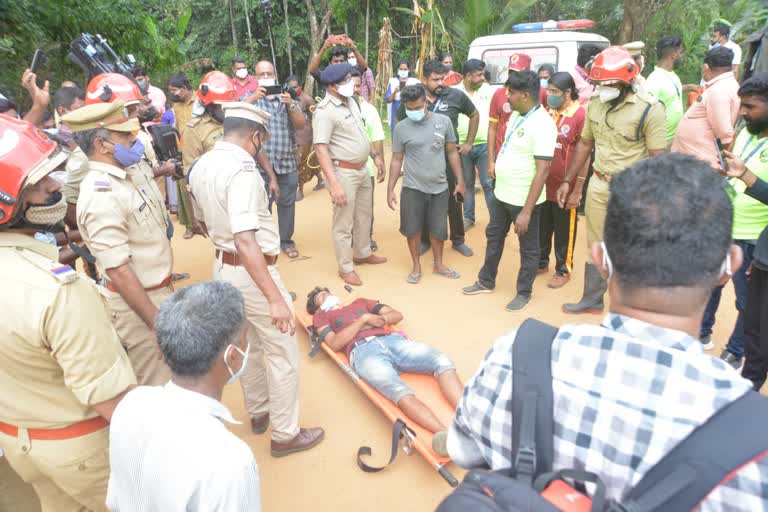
x,y
413,436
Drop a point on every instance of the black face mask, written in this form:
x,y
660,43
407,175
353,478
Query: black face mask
x,y
175,98
148,114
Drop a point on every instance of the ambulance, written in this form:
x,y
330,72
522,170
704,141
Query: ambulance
x,y
549,42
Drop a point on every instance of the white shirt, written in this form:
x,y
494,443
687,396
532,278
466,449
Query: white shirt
x,y
736,51
169,451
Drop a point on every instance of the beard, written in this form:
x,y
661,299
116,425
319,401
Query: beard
x,y
438,91
756,126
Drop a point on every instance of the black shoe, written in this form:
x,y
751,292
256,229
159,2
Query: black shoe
x,y
475,289
518,303
463,249
732,360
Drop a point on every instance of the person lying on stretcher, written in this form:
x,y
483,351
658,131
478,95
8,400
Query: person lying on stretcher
x,y
379,356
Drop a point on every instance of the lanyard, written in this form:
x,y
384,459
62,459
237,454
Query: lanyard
x,y
517,125
437,104
746,146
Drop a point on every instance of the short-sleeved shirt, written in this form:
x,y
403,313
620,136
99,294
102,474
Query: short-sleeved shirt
x,y
61,354
750,216
229,197
620,139
570,124
76,169
481,98
423,146
250,86
339,124
122,217
451,103
338,319
281,144
666,87
373,128
500,111
199,137
736,49
182,113
531,137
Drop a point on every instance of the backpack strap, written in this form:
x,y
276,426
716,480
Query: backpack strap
x,y
639,133
532,403
710,456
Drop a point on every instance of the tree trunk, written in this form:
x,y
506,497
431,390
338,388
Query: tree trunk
x,y
367,25
288,42
247,9
316,31
232,22
637,14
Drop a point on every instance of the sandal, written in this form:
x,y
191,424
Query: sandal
x,y
291,251
414,278
188,234
448,273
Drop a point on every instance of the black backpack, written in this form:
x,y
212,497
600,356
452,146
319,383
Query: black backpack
x,y
680,481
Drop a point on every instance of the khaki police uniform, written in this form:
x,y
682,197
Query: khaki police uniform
x,y
340,125
229,197
198,137
620,140
76,169
60,357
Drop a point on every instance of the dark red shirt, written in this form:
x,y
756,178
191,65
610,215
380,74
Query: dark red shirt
x,y
249,87
501,112
338,319
569,126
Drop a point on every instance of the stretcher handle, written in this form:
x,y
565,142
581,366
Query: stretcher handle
x,y
447,476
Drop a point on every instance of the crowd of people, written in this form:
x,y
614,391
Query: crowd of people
x,y
107,375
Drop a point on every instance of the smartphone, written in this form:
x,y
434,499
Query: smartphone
x,y
272,90
339,40
38,60
720,156
460,198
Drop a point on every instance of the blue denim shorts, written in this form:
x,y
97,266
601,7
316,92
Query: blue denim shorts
x,y
380,362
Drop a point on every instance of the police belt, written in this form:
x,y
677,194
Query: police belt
x,y
349,165
602,176
78,429
235,260
164,284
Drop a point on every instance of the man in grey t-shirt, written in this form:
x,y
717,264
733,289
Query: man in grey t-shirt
x,y
421,145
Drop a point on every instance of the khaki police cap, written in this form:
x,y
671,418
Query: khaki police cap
x,y
243,110
111,116
635,48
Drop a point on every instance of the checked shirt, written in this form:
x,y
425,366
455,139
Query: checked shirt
x,y
281,145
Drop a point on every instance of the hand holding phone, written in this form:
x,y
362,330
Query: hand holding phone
x,y
720,155
272,90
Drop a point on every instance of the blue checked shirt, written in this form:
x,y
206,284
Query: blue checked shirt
x,y
625,393
281,146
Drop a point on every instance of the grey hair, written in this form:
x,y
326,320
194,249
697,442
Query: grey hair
x,y
196,324
85,138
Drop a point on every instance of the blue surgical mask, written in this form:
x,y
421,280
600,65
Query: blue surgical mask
x,y
544,82
555,101
128,156
416,115
236,375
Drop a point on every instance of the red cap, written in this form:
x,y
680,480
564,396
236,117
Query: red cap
x,y
519,61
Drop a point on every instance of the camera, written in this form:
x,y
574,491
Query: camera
x,y
292,91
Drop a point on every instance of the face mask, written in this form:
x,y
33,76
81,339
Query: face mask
x,y
147,115
352,61
607,263
299,91
142,86
330,302
48,214
416,115
257,145
449,67
266,82
241,73
65,135
175,98
608,93
555,101
347,90
236,375
129,156
402,74
543,82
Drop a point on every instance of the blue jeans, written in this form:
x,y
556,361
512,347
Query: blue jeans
x,y
740,280
477,157
381,361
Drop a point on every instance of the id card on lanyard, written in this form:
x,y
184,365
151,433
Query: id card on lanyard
x,y
754,151
518,124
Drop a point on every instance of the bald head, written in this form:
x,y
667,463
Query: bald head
x,y
264,69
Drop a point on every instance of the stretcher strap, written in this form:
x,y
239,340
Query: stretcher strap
x,y
397,433
317,339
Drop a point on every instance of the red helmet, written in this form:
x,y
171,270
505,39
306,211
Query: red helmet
x,y
614,64
27,155
107,87
216,87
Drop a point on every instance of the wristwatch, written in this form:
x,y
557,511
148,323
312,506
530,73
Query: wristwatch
x,y
293,106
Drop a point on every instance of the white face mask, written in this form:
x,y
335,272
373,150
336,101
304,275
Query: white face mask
x,y
352,61
330,302
402,74
241,73
347,90
266,82
236,375
608,93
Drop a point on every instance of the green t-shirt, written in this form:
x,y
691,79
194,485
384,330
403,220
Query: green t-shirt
x,y
750,216
373,128
666,87
528,138
482,101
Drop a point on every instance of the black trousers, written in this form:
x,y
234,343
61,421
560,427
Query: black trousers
x,y
756,329
503,216
455,213
560,224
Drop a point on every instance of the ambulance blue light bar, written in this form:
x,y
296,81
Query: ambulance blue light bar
x,y
542,26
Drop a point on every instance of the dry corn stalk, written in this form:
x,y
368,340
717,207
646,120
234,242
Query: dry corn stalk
x,y
384,69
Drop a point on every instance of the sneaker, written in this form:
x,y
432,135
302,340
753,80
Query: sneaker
x,y
440,443
423,248
706,342
732,360
475,289
559,280
468,224
518,303
463,249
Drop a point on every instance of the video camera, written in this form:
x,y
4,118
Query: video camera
x,y
95,56
165,141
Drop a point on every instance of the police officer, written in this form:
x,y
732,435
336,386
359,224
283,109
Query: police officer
x,y
63,370
623,125
231,202
123,221
342,148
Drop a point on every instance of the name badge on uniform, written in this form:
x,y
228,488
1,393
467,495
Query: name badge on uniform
x,y
64,273
143,205
102,186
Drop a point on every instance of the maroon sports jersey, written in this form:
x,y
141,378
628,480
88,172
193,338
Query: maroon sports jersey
x,y
569,126
338,319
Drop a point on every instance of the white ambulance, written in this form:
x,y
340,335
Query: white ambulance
x,y
549,42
